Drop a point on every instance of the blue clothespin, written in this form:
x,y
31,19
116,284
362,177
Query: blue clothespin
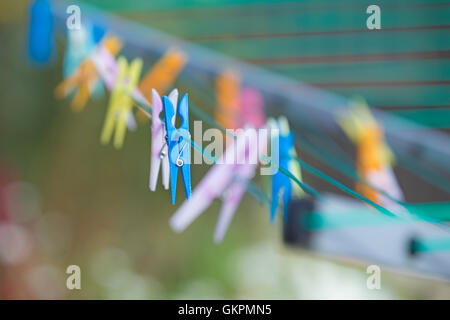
x,y
281,183
178,141
40,34
98,32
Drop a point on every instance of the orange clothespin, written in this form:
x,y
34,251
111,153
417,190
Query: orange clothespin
x,y
228,87
85,77
374,158
162,75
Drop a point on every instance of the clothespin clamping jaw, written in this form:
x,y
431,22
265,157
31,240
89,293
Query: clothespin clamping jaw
x,y
159,152
281,183
178,141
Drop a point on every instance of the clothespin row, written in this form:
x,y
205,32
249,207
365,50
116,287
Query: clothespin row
x,y
281,183
227,179
230,180
170,146
86,77
374,159
123,80
41,43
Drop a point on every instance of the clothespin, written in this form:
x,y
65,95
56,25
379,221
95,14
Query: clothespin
x,y
225,179
162,75
251,108
281,183
228,86
178,141
107,68
98,32
374,158
159,150
80,44
40,35
121,103
85,77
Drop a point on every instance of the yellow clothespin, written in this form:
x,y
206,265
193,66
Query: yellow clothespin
x,y
121,104
294,166
228,86
162,75
85,77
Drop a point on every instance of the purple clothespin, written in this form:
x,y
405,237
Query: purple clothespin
x,y
159,152
225,178
107,68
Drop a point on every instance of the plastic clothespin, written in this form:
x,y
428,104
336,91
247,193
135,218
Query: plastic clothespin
x,y
251,108
374,158
40,36
159,150
98,32
121,103
107,67
80,44
163,73
228,86
178,141
228,180
86,77
281,183
241,174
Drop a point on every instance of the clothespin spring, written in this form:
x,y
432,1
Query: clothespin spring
x,y
179,162
162,154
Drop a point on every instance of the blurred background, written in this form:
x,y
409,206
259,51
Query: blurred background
x,y
65,199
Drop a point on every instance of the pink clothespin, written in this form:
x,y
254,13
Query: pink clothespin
x,y
159,152
225,178
252,108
